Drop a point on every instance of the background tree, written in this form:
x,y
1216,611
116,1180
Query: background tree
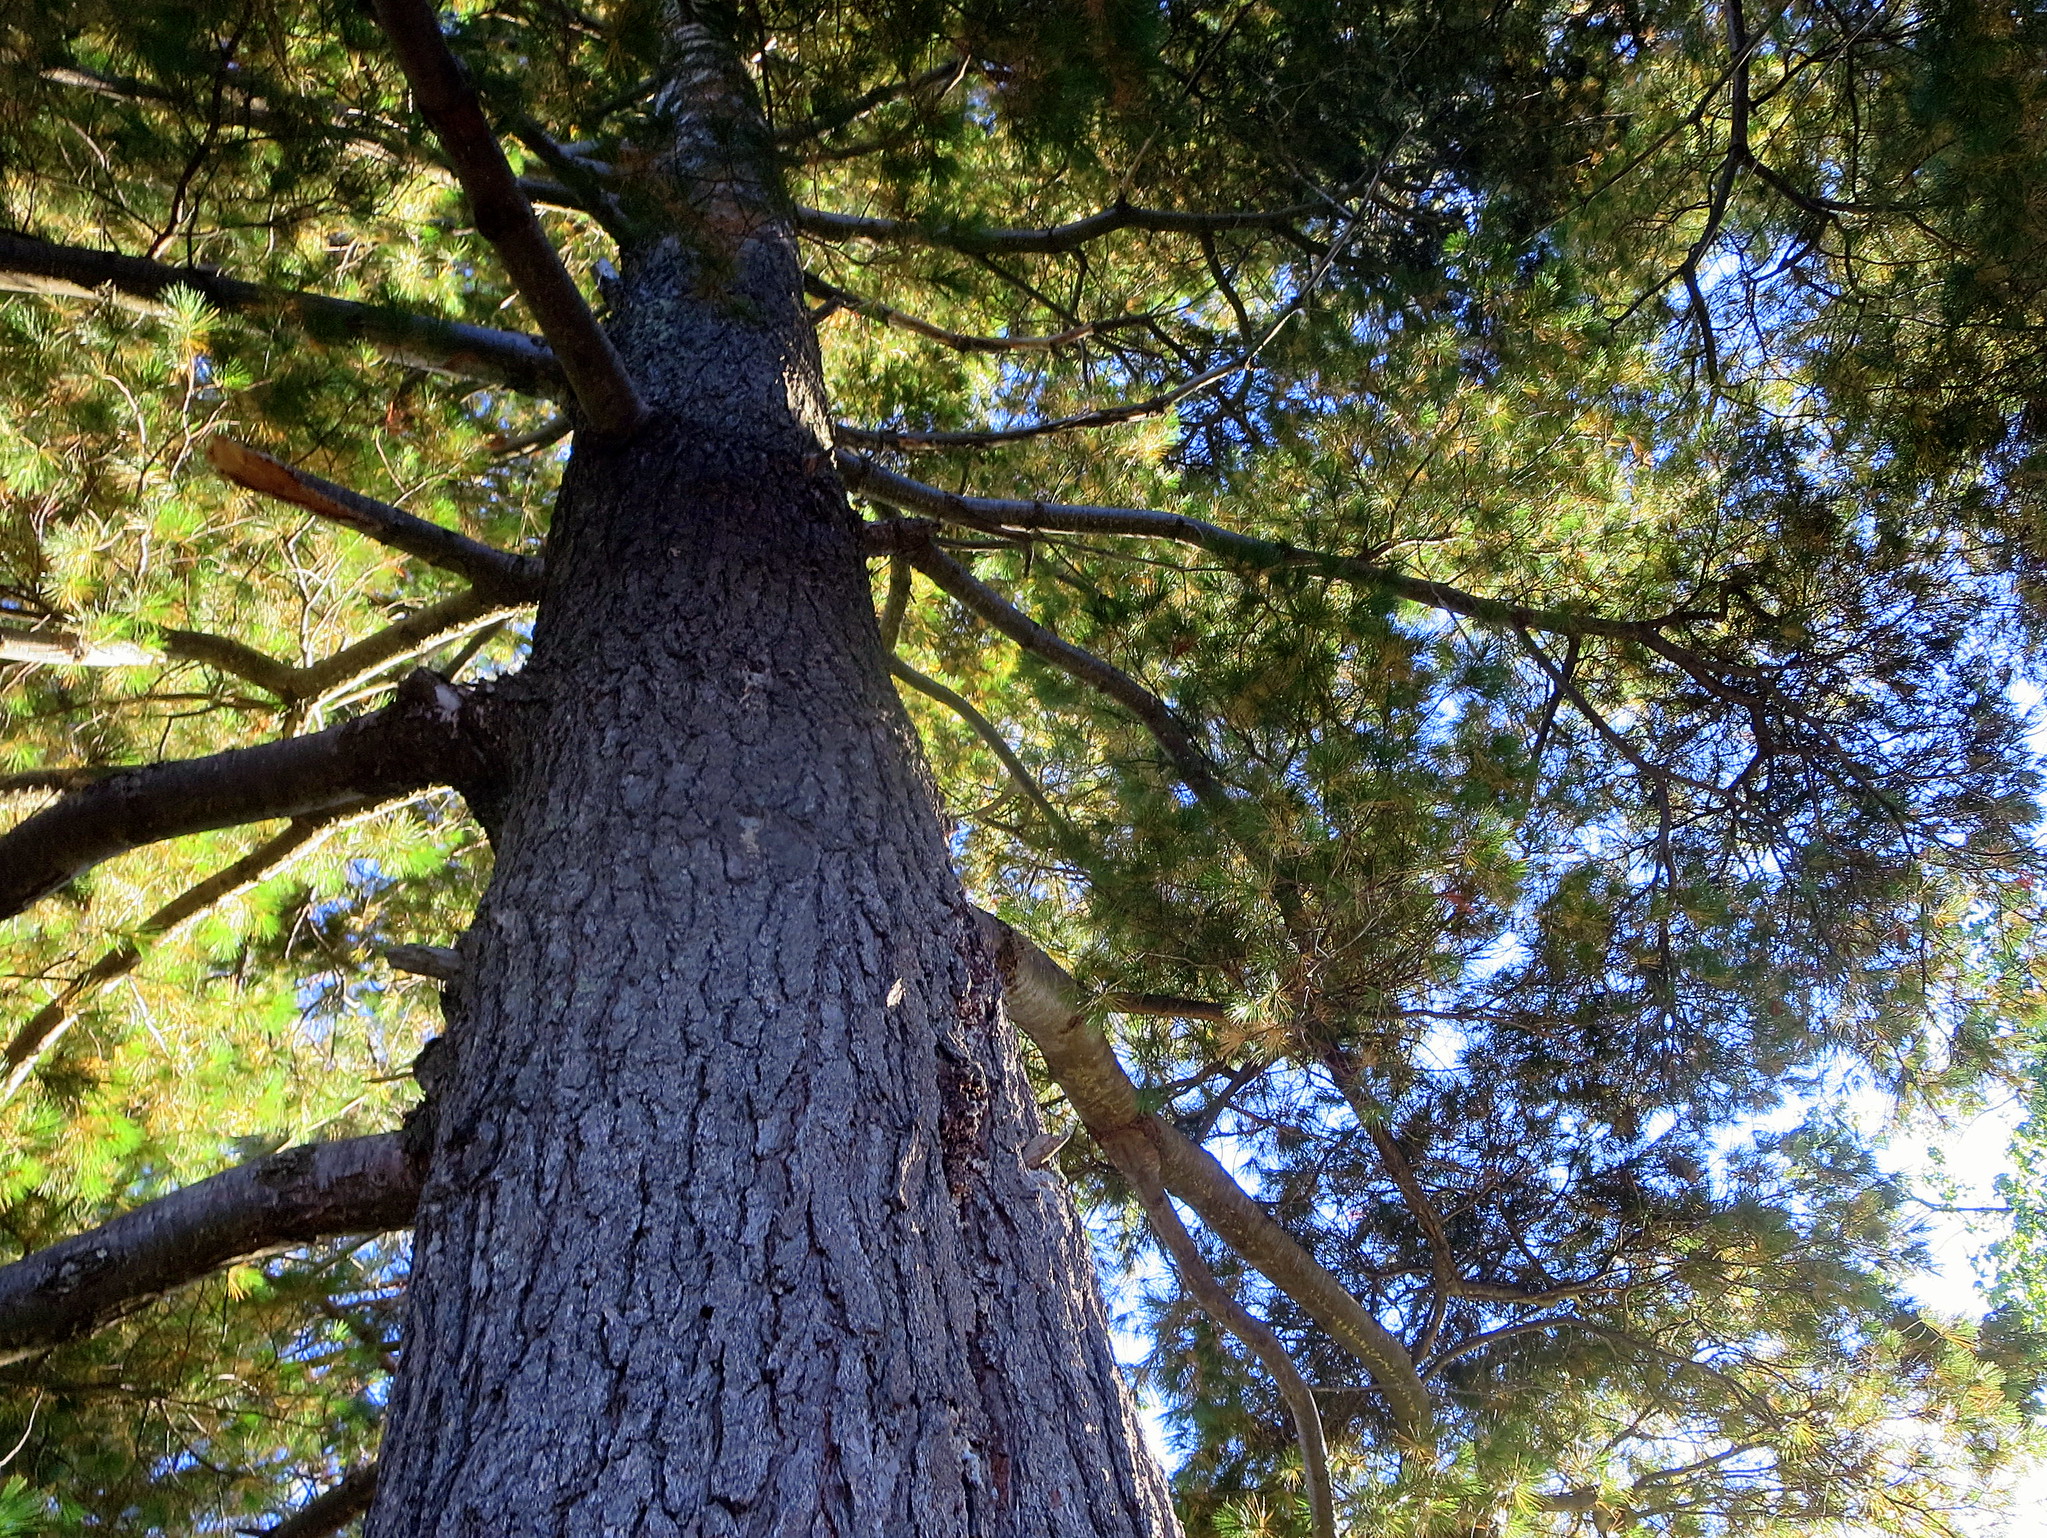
x,y
1510,702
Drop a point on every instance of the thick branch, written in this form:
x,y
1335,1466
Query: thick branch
x,y
1015,515
510,579
423,738
508,358
446,100
1051,239
333,1509
1044,1002
358,1185
39,782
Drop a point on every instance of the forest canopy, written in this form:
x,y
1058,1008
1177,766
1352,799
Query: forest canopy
x,y
1469,571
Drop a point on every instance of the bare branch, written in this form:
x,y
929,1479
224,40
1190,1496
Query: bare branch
x,y
948,73
1243,551
960,341
1045,1003
510,579
1221,1305
420,631
446,100
443,963
66,649
428,736
910,442
332,1509
1442,1261
964,708
401,641
356,1185
1169,1005
1188,759
1051,239
507,358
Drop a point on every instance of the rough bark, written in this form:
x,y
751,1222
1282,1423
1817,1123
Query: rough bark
x,y
728,1228
357,1185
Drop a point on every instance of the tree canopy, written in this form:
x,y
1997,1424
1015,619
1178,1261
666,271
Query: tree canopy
x,y
1462,568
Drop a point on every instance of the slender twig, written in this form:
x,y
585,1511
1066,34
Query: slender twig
x,y
1187,758
959,341
964,708
46,1027
1010,515
1051,240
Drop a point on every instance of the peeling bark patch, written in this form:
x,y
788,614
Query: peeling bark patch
x,y
963,1095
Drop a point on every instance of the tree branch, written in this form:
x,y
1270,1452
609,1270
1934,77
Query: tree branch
x,y
874,309
66,649
950,71
427,736
1051,239
1220,1305
964,708
47,1025
910,442
420,631
1045,1003
332,1509
498,574
357,1185
1006,515
1187,758
446,100
507,358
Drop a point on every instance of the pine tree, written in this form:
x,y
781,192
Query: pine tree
x,y
1442,561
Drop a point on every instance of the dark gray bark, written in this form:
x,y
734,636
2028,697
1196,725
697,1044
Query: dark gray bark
x,y
728,1229
357,1185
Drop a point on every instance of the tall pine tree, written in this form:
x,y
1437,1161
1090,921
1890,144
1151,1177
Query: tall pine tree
x,y
590,597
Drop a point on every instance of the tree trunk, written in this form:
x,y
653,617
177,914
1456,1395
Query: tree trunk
x,y
726,1229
